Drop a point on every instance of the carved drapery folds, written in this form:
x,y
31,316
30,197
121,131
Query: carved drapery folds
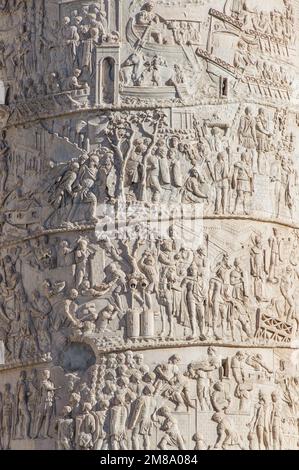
x,y
149,225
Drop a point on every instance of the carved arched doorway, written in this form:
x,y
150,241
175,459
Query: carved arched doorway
x,y
107,82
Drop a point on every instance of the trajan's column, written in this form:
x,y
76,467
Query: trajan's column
x,y
149,224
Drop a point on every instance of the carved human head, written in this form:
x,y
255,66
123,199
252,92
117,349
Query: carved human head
x,y
87,407
218,417
66,20
121,358
78,20
240,355
74,294
77,73
46,374
221,156
23,375
75,399
248,111
164,411
174,142
197,437
218,386
174,359
82,243
262,397
148,6
192,270
138,358
129,357
66,411
103,405
133,282
74,166
194,173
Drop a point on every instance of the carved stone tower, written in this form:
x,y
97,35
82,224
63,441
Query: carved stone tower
x,y
149,224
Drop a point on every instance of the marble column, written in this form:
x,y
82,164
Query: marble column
x,y
149,225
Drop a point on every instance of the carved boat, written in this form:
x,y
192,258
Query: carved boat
x,y
140,42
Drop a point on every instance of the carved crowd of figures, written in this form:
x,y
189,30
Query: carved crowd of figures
x,y
67,50
157,290
27,409
268,25
123,403
139,159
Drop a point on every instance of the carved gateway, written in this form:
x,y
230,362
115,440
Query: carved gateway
x,y
149,225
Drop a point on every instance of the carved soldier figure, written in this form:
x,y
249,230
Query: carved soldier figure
x,y
243,388
247,132
46,405
221,180
32,400
196,298
242,182
258,267
70,42
148,18
172,435
239,315
200,443
202,385
218,302
7,417
118,415
86,428
4,151
195,188
22,412
220,398
82,254
141,420
65,428
227,435
275,244
263,139
260,423
276,422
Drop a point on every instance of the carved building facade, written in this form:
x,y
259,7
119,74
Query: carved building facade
x,y
149,224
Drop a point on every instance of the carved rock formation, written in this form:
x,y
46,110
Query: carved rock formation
x,y
149,224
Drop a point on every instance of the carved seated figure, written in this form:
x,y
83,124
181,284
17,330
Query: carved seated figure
x,y
146,18
72,82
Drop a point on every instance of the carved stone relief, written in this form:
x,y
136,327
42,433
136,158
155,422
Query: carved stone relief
x,y
149,224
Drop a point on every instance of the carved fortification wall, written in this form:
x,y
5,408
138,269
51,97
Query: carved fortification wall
x,y
149,224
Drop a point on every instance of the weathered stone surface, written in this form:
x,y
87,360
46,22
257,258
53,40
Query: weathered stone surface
x,y
149,224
